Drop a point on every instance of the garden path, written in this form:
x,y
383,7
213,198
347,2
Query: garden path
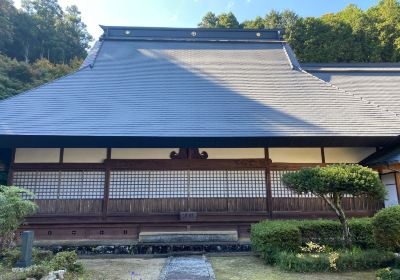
x,y
187,268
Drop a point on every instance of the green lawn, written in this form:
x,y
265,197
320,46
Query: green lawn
x,y
253,268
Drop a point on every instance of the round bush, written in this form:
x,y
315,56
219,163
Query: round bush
x,y
386,227
268,238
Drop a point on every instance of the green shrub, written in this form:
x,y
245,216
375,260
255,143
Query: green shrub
x,y
67,260
334,261
9,257
268,238
295,262
386,228
325,232
35,271
361,231
361,260
39,255
388,274
329,232
13,210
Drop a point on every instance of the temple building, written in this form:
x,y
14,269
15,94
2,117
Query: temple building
x,y
177,129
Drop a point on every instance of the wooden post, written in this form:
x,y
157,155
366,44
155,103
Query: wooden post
x,y
106,194
268,183
322,155
61,159
10,168
397,180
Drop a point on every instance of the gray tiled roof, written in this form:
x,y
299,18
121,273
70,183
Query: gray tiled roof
x,y
378,83
91,57
192,89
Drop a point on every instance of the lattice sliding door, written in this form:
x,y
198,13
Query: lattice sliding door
x,y
187,190
69,192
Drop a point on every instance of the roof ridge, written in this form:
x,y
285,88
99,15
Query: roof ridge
x,y
362,99
96,54
92,54
290,55
196,34
45,84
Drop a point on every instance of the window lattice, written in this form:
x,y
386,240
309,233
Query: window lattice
x,y
82,184
61,185
279,190
208,183
194,183
246,183
42,184
148,184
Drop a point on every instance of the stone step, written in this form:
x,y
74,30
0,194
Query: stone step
x,y
187,268
188,237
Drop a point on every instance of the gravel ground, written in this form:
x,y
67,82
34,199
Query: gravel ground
x,y
253,268
121,269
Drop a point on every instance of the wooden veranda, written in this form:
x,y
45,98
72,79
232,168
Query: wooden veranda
x,y
119,198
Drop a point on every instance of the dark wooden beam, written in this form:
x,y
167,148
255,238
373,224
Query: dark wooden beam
x,y
10,169
181,164
268,182
397,180
106,195
61,159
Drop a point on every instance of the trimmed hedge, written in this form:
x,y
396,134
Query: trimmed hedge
x,y
270,237
388,274
386,228
345,261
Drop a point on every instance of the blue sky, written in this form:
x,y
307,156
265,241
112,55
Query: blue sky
x,y
187,13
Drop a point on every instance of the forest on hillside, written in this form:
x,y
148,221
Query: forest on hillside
x,y
351,35
41,41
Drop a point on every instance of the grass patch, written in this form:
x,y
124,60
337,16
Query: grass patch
x,y
253,268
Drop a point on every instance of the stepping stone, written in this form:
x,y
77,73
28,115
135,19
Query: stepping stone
x,y
188,237
187,268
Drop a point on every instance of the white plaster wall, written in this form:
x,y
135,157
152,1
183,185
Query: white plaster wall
x,y
347,155
389,181
234,153
295,155
85,155
37,155
144,153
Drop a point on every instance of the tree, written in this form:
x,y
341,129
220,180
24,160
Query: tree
x,y
75,39
7,11
13,210
208,21
47,14
227,21
351,35
332,183
17,76
257,23
384,26
273,20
